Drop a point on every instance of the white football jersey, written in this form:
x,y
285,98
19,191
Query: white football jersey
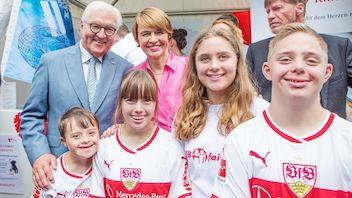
x,y
205,151
67,184
156,169
262,160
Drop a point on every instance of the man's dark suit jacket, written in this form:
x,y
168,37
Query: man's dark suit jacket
x,y
333,94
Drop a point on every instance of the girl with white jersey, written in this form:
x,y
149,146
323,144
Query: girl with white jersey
x,y
217,96
140,159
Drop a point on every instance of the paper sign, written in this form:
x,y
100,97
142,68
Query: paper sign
x,y
11,171
8,95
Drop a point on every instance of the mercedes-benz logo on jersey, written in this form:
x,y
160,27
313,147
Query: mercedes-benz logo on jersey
x,y
260,192
300,178
109,191
130,177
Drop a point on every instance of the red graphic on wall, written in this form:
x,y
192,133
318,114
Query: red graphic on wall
x,y
244,23
17,124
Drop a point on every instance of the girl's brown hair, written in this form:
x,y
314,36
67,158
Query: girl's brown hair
x,y
83,118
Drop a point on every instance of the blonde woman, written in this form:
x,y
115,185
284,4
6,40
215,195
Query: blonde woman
x,y
217,96
152,30
230,23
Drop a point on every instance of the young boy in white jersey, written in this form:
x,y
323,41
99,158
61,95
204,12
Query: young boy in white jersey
x,y
79,130
296,148
140,159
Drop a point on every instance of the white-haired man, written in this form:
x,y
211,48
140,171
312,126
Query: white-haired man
x,y
87,75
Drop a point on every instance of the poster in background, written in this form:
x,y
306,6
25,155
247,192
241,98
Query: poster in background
x,y
11,171
244,23
35,27
324,16
8,95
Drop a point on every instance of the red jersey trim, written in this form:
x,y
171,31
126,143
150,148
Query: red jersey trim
x,y
186,195
264,188
89,171
278,131
92,196
71,174
294,140
116,188
121,144
323,130
156,130
66,171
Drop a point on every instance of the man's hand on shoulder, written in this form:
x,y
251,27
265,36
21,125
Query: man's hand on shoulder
x,y
42,170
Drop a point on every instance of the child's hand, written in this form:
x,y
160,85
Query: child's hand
x,y
110,131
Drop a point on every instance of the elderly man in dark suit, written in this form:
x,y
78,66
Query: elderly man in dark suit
x,y
333,94
86,75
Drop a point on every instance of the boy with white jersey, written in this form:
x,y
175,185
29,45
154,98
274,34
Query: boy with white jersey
x,y
296,148
79,130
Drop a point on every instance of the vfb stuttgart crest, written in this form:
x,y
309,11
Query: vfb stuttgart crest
x,y
300,178
130,177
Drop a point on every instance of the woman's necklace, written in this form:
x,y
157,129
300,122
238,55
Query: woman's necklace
x,y
156,73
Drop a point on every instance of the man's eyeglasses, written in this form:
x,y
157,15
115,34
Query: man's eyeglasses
x,y
96,28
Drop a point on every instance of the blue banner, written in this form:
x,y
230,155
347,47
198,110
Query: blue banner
x,y
35,27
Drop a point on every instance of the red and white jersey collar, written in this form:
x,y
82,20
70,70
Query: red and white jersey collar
x,y
297,139
143,146
70,173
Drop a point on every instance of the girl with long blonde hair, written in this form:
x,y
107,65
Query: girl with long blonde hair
x,y
217,96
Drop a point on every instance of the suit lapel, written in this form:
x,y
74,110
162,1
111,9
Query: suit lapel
x,y
324,93
106,77
73,62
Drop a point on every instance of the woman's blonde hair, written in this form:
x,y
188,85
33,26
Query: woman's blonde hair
x,y
192,115
234,29
152,18
137,84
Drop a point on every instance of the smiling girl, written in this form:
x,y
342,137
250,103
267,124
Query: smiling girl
x,y
217,96
140,159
